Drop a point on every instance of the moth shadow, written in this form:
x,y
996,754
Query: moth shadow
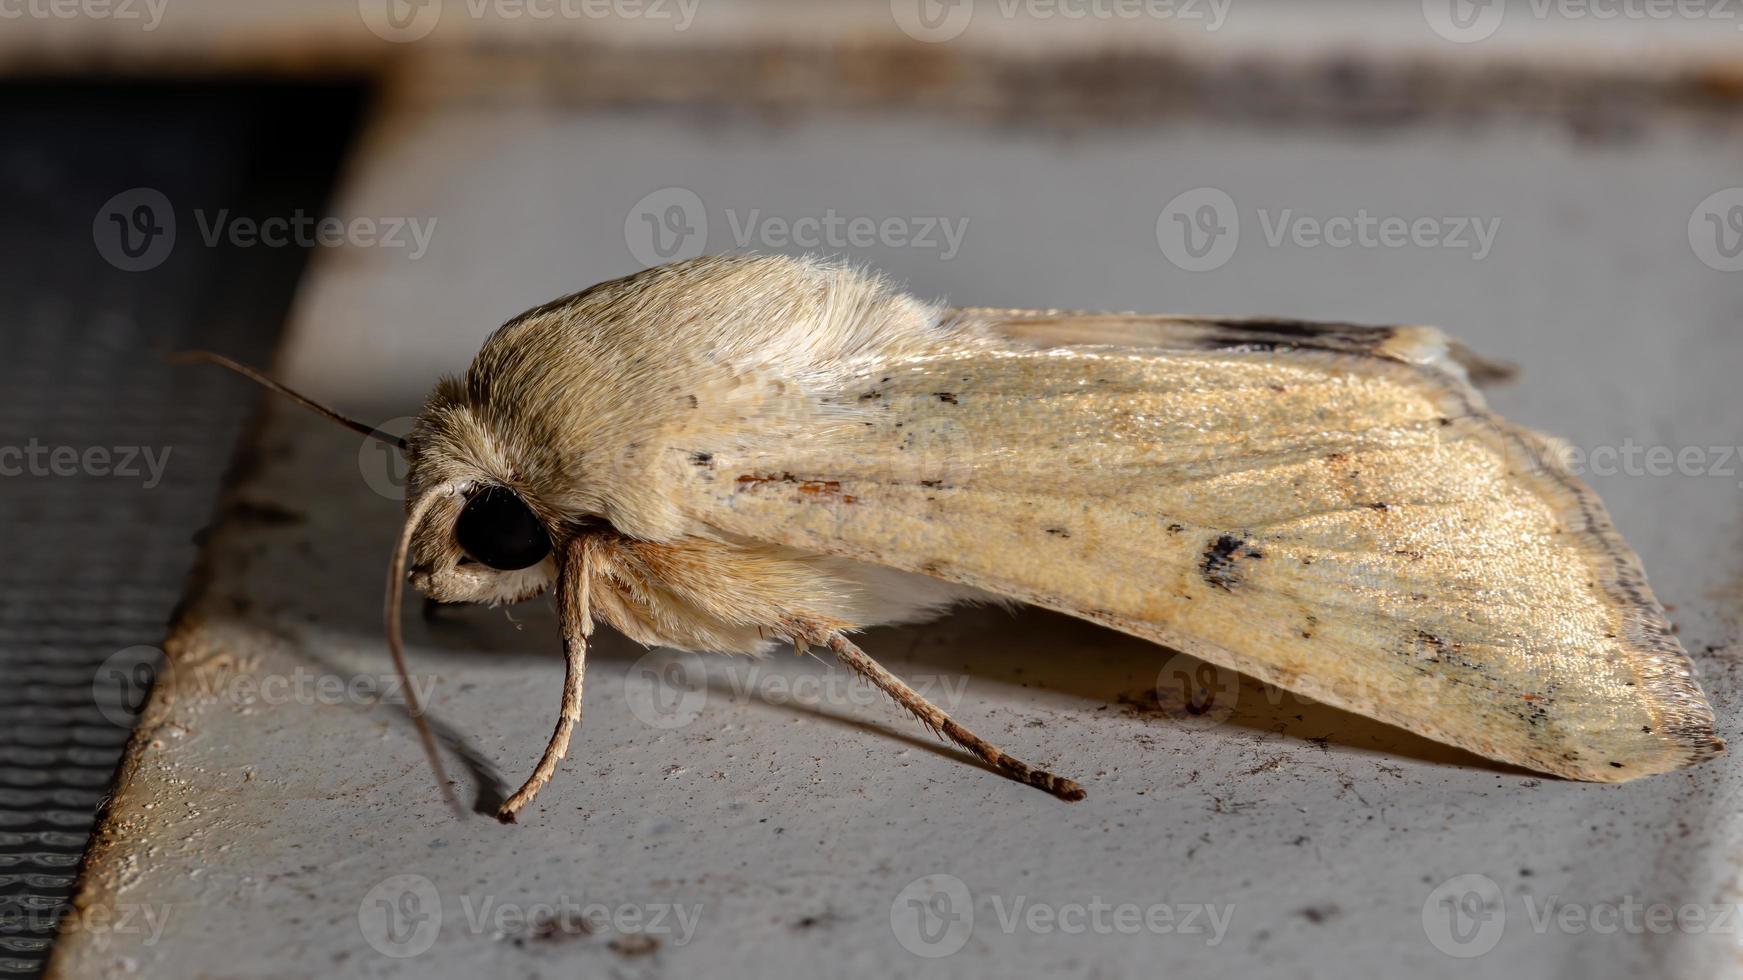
x,y
1027,648
489,788
1037,648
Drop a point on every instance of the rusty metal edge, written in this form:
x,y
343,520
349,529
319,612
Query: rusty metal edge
x,y
1136,84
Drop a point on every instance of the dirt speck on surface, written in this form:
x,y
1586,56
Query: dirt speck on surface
x,y
633,945
1143,702
1269,764
555,929
816,920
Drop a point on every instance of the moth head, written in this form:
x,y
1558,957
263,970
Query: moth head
x,y
476,532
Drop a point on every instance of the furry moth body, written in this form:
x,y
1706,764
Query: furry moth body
x,y
731,453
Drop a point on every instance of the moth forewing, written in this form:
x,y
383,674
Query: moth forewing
x,y
1337,514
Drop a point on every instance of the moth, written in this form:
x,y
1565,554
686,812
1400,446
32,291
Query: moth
x,y
734,453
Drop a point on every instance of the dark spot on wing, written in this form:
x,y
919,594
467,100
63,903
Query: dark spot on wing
x,y
946,397
1221,565
1429,647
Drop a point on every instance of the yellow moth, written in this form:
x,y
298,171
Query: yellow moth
x,y
731,453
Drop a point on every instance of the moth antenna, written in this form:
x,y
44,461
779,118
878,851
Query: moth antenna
x,y
396,642
209,357
574,578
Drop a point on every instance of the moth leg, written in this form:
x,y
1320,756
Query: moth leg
x,y
573,610
934,718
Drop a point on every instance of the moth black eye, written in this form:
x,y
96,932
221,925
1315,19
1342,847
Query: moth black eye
x,y
499,530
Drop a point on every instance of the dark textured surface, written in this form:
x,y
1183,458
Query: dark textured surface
x,y
95,562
